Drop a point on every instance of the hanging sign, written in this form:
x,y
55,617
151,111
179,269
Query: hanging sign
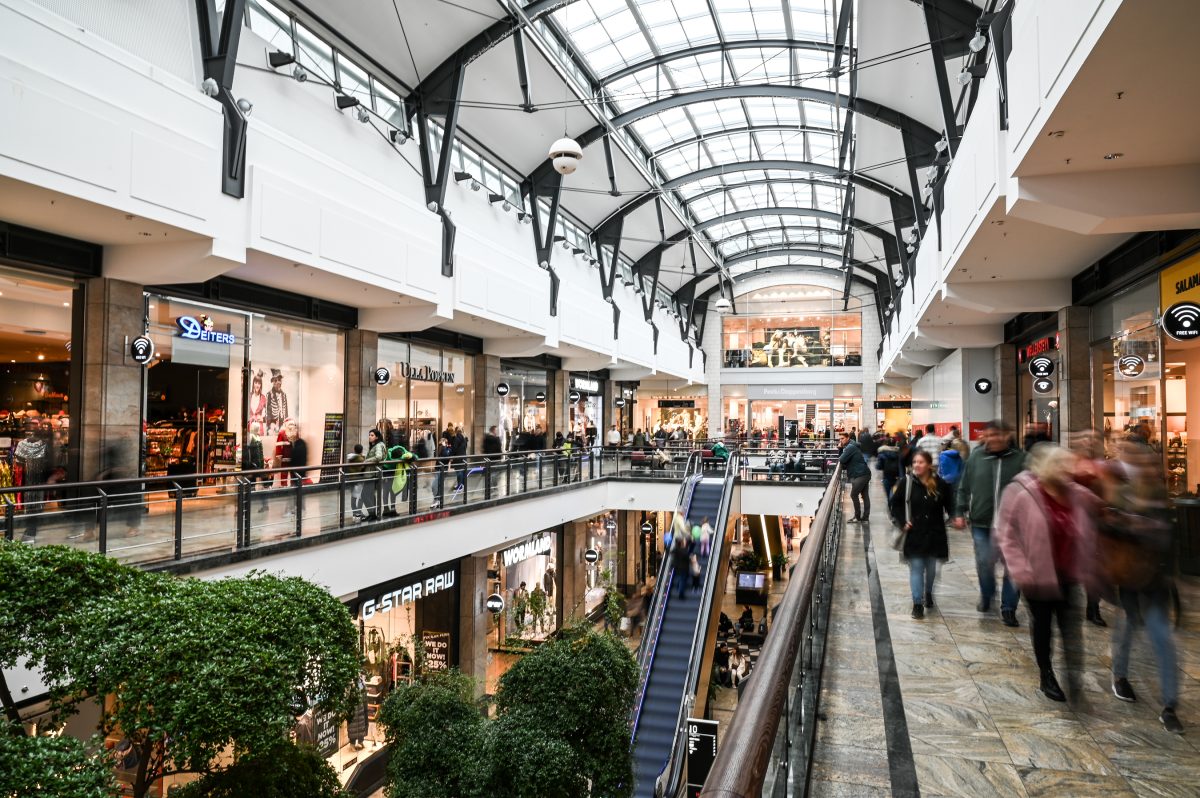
x,y
540,544
983,385
1131,366
502,389
201,329
495,603
1181,321
647,528
540,396
1043,385
591,556
573,396
585,384
382,376
701,753
141,349
619,402
1041,366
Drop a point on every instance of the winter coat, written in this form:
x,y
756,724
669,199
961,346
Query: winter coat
x,y
984,477
888,461
1023,534
927,514
854,462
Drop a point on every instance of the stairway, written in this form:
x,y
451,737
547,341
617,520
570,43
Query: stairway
x,y
665,686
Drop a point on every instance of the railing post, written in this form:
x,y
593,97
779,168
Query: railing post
x,y
508,476
101,524
178,520
298,479
341,498
238,501
487,480
540,463
10,519
414,486
557,465
377,510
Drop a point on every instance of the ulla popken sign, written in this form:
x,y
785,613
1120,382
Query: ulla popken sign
x,y
425,373
422,588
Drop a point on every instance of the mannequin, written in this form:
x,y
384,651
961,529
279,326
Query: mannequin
x,y
258,401
277,403
30,460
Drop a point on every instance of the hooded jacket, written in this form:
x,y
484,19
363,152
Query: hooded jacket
x,y
984,478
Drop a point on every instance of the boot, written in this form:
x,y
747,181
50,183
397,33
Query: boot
x,y
918,611
928,601
1050,686
1093,614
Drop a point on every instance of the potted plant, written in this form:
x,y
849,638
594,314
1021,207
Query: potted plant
x,y
750,561
778,564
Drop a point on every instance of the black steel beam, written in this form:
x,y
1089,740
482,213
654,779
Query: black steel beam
x,y
218,52
612,172
791,267
933,26
441,103
648,266
548,186
523,71
716,47
734,131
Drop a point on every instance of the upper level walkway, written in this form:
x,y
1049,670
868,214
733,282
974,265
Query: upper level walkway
x,y
949,705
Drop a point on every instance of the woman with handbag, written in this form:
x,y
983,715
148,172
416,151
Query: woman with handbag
x,y
920,508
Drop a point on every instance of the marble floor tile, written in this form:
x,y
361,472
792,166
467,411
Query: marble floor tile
x,y
950,776
852,730
852,765
821,788
865,702
1044,751
1160,788
981,746
1045,783
1156,762
995,654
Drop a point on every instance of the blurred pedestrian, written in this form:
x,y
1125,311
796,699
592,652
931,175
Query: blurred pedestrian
x,y
681,560
921,507
706,533
1092,472
1047,534
887,460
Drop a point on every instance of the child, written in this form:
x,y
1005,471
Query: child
x,y
356,484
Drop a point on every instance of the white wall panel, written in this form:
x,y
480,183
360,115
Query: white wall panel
x,y
163,174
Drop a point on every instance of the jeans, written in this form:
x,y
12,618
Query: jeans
x,y
921,573
889,487
986,556
858,487
684,575
774,469
1066,612
1149,609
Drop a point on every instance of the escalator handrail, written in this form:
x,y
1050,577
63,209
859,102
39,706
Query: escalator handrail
x,y
662,589
673,770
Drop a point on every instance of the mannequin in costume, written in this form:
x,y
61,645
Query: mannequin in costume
x,y
258,400
277,402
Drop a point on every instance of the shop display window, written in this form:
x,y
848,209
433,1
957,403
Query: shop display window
x,y
689,415
523,416
796,340
602,536
36,365
413,408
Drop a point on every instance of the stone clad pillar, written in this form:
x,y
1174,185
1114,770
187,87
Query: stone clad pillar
x,y
1006,384
362,355
475,621
558,415
486,410
572,571
110,414
1075,382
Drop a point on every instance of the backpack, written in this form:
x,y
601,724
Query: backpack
x,y
950,466
889,464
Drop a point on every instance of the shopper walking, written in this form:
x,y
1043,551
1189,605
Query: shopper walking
x,y
1047,534
920,506
375,457
444,452
706,533
681,560
989,470
355,473
887,460
1135,557
854,463
932,443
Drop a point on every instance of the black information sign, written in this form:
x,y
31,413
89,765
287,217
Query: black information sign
x,y
701,752
1043,385
502,389
141,349
382,376
1131,366
325,730
331,444
1041,366
1181,321
573,396
437,650
983,385
540,396
619,402
591,555
495,603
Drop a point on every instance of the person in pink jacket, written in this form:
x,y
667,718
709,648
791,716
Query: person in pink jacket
x,y
1046,530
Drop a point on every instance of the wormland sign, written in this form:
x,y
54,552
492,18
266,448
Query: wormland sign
x,y
539,544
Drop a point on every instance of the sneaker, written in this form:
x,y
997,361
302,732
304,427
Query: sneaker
x,y
1050,688
1009,617
928,601
918,611
1170,721
1123,690
983,606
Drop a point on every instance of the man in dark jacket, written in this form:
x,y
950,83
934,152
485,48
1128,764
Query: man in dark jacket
x,y
854,464
987,472
491,442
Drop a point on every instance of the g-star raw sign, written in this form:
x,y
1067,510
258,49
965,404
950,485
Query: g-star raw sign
x,y
530,548
407,594
201,329
425,373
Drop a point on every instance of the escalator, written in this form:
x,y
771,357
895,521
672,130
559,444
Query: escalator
x,y
672,649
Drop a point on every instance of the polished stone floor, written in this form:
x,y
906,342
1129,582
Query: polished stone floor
x,y
974,721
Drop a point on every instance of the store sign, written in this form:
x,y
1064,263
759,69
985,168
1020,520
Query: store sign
x,y
1180,283
540,396
201,329
585,384
647,528
1131,366
983,385
790,392
676,403
893,404
701,753
540,544
408,594
502,389
573,396
141,349
591,556
1181,321
495,603
425,373
1038,347
382,376
1041,366
1043,385
437,650
619,403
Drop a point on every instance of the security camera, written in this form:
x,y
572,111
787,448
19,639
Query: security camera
x,y
565,155
723,306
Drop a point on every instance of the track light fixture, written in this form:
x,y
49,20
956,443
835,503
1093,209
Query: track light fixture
x,y
970,73
566,245
978,42
345,101
363,115
398,137
432,206
278,58
545,265
941,144
626,283
299,73
577,251
911,249
462,177
245,106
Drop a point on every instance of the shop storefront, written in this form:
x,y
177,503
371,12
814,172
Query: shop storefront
x,y
222,379
586,399
792,411
429,387
526,576
601,569
405,625
625,406
797,339
684,410
1039,368
524,397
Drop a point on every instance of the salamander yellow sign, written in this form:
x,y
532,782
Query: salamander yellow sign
x,y
1180,283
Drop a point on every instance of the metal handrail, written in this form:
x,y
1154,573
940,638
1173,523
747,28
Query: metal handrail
x,y
672,772
741,763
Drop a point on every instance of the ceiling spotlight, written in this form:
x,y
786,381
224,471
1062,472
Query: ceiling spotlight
x,y
476,185
345,101
899,280
278,58
545,265
299,73
978,42
495,198
931,173
1112,156
723,306
528,218
912,235
432,206
637,289
462,177
398,137
245,106
566,245
941,144
210,87
964,78
911,249
626,283
565,155
363,114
